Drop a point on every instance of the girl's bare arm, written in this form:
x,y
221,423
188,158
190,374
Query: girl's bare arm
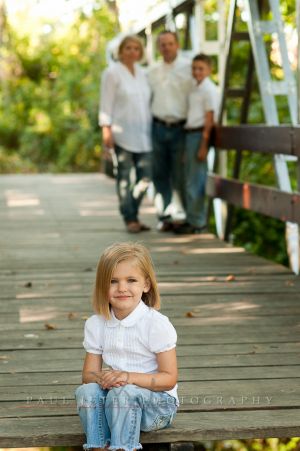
x,y
92,368
164,379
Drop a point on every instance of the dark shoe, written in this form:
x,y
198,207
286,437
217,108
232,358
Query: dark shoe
x,y
165,226
133,227
188,229
144,227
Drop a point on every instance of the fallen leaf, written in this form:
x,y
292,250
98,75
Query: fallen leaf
x,y
72,315
88,269
252,270
175,262
190,315
49,326
3,357
84,317
230,278
28,285
289,283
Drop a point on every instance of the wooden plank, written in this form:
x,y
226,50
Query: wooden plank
x,y
268,201
12,365
198,395
174,305
243,340
190,350
58,319
296,141
188,426
55,405
86,279
191,374
256,138
72,339
208,286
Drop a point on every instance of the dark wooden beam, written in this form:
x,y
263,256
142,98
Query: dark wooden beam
x,y
259,138
296,141
261,199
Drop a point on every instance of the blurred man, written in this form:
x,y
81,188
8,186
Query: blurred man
x,y
170,81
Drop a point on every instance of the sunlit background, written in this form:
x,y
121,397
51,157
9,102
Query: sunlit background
x,y
42,15
53,52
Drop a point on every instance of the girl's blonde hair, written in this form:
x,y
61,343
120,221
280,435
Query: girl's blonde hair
x,y
131,38
108,262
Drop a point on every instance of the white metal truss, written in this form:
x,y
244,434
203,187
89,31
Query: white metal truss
x,y
268,90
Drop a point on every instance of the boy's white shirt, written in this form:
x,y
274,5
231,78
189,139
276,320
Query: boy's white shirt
x,y
131,344
203,97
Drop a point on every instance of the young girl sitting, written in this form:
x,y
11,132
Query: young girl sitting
x,y
138,391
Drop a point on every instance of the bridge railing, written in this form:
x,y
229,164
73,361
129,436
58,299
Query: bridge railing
x,y
261,199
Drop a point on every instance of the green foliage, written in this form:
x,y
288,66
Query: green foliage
x,y
49,101
261,235
268,444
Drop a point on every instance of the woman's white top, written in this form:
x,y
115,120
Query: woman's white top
x,y
125,106
202,98
131,344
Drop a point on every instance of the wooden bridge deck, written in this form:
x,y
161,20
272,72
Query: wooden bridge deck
x,y
239,339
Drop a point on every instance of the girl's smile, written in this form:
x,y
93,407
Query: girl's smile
x,y
127,285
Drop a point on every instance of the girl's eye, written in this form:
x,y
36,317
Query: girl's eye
x,y
131,280
113,281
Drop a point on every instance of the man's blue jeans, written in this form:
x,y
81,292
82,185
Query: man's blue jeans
x,y
133,178
168,173
115,417
195,181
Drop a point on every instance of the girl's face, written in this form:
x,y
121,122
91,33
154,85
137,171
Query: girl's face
x,y
130,53
126,288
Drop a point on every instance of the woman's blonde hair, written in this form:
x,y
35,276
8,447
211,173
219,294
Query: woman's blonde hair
x,y
129,38
108,262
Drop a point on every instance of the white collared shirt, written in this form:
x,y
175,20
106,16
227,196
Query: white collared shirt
x,y
170,84
131,344
202,98
125,106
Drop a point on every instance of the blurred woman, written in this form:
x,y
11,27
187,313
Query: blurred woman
x,y
125,119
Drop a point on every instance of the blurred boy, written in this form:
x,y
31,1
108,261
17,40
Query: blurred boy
x,y
203,104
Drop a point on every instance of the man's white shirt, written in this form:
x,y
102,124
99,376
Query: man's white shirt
x,y
170,84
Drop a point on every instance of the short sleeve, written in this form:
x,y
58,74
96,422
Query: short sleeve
x,y
162,334
93,330
209,101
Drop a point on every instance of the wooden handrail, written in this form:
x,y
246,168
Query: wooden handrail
x,y
261,199
259,138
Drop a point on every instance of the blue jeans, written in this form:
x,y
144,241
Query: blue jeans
x,y
168,173
195,181
130,189
117,416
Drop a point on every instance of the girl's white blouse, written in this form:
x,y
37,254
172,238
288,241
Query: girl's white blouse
x,y
125,106
131,344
